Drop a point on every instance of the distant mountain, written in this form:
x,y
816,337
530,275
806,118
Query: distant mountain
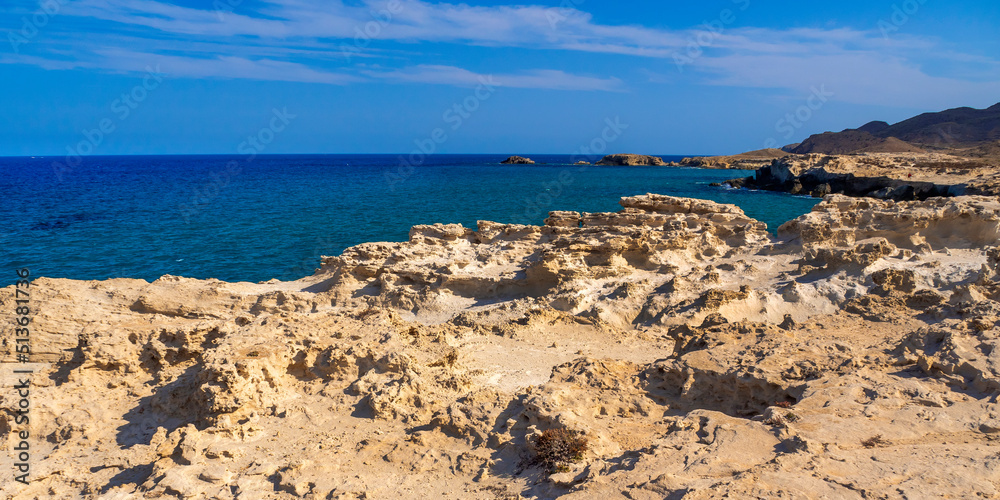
x,y
954,126
874,127
853,141
963,131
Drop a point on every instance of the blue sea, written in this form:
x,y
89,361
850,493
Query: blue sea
x,y
254,219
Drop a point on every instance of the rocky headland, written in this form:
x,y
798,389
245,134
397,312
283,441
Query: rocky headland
x,y
948,153
674,349
751,160
878,175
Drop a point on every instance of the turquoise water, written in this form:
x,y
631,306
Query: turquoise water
x,y
241,219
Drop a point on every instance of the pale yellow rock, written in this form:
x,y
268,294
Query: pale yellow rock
x,y
856,353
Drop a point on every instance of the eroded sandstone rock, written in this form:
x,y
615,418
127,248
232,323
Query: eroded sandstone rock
x,y
693,350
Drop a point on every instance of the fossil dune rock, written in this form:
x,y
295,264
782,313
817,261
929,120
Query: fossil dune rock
x,y
852,354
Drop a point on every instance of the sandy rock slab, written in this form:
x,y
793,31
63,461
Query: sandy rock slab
x,y
673,349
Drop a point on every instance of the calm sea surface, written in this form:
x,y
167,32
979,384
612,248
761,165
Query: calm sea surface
x,y
240,219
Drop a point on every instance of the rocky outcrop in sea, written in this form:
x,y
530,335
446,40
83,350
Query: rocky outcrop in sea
x,y
631,160
518,160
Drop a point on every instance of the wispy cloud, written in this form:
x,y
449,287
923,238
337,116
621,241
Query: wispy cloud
x,y
538,79
304,40
405,20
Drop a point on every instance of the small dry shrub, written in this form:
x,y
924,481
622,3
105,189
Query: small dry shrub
x,y
981,324
776,421
874,442
367,312
557,447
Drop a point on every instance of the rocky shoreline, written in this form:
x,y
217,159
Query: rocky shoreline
x,y
888,176
678,346
883,176
746,161
615,160
947,153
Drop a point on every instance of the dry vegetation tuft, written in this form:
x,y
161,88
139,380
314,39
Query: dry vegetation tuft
x,y
557,447
874,442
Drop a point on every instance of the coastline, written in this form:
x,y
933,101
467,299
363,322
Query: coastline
x,y
893,176
65,235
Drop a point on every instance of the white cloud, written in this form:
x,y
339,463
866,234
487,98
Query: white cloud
x,y
305,40
124,61
406,20
537,79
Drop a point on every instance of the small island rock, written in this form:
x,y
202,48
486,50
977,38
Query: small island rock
x,y
518,160
631,160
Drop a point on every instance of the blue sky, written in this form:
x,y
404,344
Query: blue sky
x,y
155,77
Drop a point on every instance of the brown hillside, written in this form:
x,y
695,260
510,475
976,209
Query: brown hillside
x,y
951,127
957,131
853,142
